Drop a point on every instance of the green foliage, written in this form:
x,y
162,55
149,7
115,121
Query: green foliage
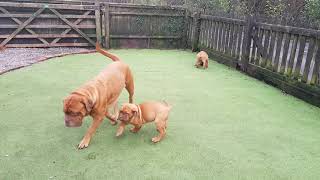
x,y
313,8
209,4
274,9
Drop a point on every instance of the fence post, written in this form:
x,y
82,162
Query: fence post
x,y
184,43
196,31
98,22
107,25
247,43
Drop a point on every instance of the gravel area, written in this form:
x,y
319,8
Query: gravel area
x,y
12,58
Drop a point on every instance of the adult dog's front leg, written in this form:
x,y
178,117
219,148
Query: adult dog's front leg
x,y
86,139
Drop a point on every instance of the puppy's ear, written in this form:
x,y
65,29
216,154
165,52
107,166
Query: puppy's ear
x,y
134,109
88,104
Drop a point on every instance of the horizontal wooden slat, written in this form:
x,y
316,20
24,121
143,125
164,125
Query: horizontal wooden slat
x,y
222,19
121,5
49,45
28,36
47,26
59,1
144,14
47,16
143,37
55,6
290,30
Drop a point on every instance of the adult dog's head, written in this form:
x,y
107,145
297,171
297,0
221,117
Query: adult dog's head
x,y
75,108
127,112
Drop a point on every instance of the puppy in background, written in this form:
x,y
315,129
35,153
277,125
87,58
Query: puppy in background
x,y
202,60
137,115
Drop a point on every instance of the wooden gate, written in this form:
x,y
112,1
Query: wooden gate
x,y
48,25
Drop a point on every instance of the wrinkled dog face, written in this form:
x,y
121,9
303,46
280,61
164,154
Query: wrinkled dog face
x,y
127,111
75,108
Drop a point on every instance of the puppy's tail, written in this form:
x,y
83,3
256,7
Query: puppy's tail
x,y
106,53
167,104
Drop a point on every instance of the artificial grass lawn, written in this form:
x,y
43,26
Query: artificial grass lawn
x,y
224,125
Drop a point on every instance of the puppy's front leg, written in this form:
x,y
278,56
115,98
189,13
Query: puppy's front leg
x,y
135,129
112,118
121,129
86,139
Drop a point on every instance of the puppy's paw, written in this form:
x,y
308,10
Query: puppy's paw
x,y
83,144
155,139
119,134
113,123
134,130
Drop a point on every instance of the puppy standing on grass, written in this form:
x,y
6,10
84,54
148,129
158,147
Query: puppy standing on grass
x,y
137,115
202,60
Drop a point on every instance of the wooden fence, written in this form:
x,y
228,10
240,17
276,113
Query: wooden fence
x,y
120,25
286,57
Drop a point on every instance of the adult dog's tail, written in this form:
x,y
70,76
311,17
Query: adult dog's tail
x,y
106,53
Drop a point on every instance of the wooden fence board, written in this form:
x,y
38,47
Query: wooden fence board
x,y
265,48
278,51
315,72
309,58
292,54
285,53
302,42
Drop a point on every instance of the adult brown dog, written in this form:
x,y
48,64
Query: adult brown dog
x,y
137,115
202,60
97,96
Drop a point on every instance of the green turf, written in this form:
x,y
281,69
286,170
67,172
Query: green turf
x,y
224,125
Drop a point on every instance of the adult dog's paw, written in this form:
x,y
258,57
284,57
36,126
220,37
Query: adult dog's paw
x,y
155,139
83,144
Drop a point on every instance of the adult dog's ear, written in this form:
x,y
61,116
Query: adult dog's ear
x,y
65,102
88,104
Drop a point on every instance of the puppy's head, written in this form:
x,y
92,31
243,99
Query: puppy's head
x,y
127,111
75,108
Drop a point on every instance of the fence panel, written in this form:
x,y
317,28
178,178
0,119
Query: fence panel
x,y
135,26
292,51
223,36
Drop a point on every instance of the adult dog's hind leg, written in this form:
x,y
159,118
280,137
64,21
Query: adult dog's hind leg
x,y
161,124
130,85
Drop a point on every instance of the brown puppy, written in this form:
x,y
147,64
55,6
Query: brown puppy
x,y
137,115
202,60
95,97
